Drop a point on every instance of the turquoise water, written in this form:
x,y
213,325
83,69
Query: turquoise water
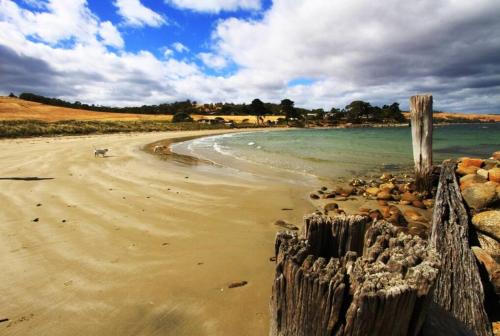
x,y
345,152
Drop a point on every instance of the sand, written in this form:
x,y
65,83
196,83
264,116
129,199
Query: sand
x,y
133,245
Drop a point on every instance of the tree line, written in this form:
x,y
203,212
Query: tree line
x,y
356,112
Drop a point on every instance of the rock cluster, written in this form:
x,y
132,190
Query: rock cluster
x,y
398,202
479,181
480,187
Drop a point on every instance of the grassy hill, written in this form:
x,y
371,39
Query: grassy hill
x,y
18,109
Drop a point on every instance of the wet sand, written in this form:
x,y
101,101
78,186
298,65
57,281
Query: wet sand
x,y
133,245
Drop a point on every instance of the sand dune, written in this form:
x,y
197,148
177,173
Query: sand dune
x,y
132,245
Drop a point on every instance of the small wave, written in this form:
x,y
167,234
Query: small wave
x,y
221,149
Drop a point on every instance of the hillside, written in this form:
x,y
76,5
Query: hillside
x,y
18,109
469,117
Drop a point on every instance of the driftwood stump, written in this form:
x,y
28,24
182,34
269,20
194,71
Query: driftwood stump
x,y
458,290
421,133
322,287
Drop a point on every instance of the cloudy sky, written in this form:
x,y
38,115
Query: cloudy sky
x,y
319,53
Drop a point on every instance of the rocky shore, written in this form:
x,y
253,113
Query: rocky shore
x,y
390,197
395,199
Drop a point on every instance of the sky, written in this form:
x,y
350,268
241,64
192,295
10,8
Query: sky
x,y
318,53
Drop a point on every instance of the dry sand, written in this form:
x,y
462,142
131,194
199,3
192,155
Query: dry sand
x,y
133,245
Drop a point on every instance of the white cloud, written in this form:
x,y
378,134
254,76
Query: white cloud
x,y
368,49
110,35
216,6
348,50
61,20
167,52
213,61
179,47
137,15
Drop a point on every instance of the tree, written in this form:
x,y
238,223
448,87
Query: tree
x,y
393,112
11,95
258,109
356,110
182,117
288,109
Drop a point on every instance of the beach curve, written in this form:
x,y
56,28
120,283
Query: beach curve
x,y
132,245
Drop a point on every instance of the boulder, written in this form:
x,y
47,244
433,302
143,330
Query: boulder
x,y
489,164
494,175
382,203
376,215
418,204
408,196
414,216
470,179
397,219
483,173
314,196
344,191
488,222
330,195
490,265
373,191
496,155
331,207
388,186
429,203
463,170
386,176
402,202
480,195
490,245
385,211
468,162
384,195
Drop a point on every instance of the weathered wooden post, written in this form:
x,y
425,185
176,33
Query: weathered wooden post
x,y
458,288
349,276
421,132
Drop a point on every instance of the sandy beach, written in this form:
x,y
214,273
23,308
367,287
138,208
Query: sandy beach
x,y
133,245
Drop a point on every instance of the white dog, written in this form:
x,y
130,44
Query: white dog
x,y
101,152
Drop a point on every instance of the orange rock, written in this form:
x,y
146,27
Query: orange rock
x,y
408,196
418,204
470,179
463,170
467,162
385,211
384,195
429,203
413,215
376,215
494,175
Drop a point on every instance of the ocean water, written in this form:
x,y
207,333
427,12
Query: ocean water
x,y
332,153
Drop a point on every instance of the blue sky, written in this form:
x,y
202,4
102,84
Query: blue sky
x,y
318,53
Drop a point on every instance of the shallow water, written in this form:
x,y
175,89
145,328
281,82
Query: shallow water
x,y
332,153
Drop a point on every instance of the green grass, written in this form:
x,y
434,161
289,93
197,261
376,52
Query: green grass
x,y
36,128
